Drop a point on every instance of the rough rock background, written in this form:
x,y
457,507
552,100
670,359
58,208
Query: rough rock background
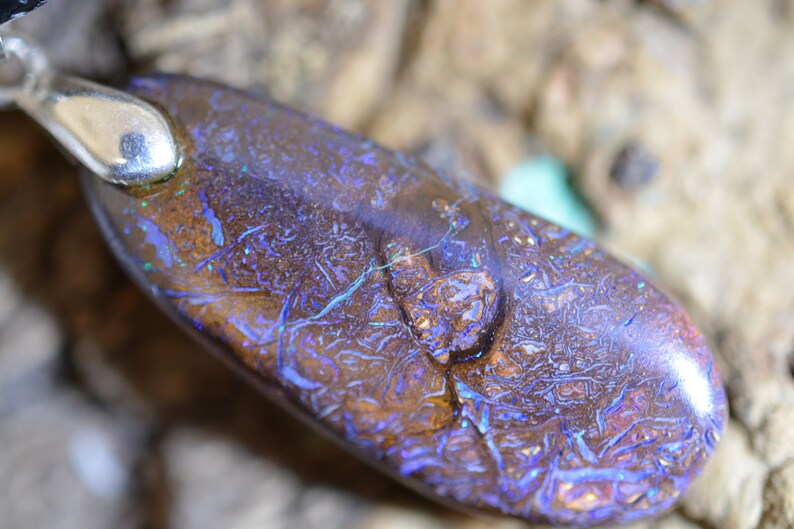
x,y
675,118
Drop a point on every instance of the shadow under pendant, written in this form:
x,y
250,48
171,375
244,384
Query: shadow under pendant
x,y
486,357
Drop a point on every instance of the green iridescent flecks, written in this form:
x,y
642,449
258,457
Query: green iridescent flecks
x,y
484,356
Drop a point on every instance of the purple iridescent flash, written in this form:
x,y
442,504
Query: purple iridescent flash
x,y
486,357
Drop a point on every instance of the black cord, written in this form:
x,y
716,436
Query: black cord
x,y
11,9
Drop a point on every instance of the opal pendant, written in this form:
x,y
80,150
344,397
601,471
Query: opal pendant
x,y
487,358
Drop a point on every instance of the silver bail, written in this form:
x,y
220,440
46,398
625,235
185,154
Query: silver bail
x,y
120,138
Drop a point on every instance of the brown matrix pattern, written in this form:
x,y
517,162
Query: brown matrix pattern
x,y
485,356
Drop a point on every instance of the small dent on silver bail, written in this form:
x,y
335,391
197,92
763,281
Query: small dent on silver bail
x,y
141,154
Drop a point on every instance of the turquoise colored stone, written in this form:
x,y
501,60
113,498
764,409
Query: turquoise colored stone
x,y
541,185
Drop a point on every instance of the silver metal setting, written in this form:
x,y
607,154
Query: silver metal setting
x,y
34,65
120,138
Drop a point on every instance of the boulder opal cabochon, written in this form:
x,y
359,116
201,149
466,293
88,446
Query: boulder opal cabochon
x,y
486,357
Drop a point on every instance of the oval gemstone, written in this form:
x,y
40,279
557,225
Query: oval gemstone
x,y
488,358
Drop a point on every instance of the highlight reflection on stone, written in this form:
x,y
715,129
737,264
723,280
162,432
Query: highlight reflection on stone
x,y
485,356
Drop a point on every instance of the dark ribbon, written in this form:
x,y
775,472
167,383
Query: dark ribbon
x,y
11,9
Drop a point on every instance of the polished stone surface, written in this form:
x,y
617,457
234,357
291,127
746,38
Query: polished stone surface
x,y
487,357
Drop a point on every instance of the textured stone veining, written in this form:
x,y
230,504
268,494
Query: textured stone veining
x,y
488,357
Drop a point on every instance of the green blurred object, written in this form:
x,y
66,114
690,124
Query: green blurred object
x,y
541,185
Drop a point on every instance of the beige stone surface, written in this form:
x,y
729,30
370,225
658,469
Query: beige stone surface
x,y
704,87
728,494
779,499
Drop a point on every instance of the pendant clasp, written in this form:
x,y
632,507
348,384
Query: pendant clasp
x,y
34,65
119,137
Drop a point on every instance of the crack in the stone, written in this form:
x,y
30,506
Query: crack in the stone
x,y
487,336
454,398
484,446
457,356
386,266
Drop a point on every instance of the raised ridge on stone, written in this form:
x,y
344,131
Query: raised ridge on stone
x,y
486,357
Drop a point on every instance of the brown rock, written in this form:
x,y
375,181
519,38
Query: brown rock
x,y
779,499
